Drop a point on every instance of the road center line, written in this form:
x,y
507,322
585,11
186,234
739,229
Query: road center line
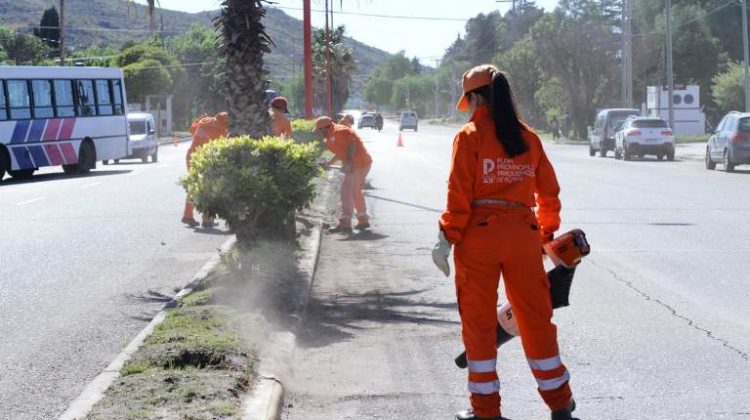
x,y
33,200
93,184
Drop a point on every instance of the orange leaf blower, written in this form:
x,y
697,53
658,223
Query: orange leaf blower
x,y
566,253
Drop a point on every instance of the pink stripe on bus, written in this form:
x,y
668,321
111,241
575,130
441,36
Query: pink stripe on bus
x,y
69,154
67,129
53,128
53,152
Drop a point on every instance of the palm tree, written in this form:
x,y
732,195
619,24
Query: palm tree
x,y
244,41
342,63
151,11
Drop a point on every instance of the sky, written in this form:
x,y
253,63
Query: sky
x,y
422,38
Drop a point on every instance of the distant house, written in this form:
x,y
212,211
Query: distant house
x,y
689,119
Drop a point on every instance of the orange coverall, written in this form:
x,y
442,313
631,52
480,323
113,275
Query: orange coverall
x,y
280,125
343,142
494,240
203,129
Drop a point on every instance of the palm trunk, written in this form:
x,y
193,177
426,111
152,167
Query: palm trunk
x,y
244,43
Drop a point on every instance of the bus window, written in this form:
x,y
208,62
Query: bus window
x,y
42,98
103,98
3,104
119,107
64,98
86,98
18,99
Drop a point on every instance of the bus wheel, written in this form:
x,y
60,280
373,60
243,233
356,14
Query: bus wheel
x,y
22,173
4,163
86,160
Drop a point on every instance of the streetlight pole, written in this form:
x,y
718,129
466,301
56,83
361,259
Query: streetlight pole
x,y
307,29
747,55
670,73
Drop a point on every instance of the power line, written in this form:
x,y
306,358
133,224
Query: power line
x,y
377,15
687,22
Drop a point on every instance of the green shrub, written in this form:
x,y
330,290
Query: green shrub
x,y
303,132
255,185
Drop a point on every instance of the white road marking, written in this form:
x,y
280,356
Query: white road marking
x,y
33,200
94,184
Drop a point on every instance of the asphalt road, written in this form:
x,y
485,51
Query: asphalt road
x,y
659,326
85,263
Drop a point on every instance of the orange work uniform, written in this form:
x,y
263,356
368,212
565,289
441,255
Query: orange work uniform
x,y
280,125
493,238
343,142
204,130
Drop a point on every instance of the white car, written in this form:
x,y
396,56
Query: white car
x,y
142,136
640,136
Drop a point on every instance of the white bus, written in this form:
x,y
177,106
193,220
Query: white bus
x,y
69,116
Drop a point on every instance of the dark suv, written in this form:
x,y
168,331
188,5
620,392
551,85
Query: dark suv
x,y
730,144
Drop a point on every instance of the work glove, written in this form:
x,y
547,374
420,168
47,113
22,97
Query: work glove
x,y
440,253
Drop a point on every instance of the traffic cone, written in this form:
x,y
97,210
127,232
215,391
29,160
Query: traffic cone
x,y
400,141
174,140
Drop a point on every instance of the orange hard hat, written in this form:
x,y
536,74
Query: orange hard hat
x,y
323,122
280,102
222,117
474,79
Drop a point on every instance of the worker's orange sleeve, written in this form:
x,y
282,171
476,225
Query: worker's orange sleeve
x,y
547,192
464,163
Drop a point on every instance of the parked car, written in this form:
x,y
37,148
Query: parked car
x,y
142,137
367,120
408,119
608,122
640,136
730,143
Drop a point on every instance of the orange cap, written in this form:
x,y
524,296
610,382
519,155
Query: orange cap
x,y
222,117
474,79
323,122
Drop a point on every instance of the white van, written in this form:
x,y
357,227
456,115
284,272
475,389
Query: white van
x,y
144,141
408,120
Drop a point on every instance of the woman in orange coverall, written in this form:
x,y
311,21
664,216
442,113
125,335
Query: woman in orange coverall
x,y
346,146
204,129
280,125
499,173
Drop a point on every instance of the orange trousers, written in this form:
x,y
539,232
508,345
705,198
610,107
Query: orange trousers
x,y
505,241
352,196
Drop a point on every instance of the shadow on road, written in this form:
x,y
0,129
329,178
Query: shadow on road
x,y
331,320
364,235
390,200
61,176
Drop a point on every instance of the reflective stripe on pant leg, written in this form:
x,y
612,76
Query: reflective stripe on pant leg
x,y
527,287
359,175
477,279
347,198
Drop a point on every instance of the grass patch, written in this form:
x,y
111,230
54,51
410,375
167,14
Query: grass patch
x,y
702,138
198,363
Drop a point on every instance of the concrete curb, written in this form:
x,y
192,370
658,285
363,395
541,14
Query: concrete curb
x,y
95,390
163,141
266,400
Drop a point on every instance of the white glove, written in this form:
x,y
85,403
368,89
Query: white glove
x,y
440,253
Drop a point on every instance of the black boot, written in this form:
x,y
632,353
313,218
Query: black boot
x,y
565,414
469,415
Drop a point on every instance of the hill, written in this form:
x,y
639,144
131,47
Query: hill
x,y
112,22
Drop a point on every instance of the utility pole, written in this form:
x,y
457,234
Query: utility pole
x,y
627,55
62,32
329,91
670,74
747,55
307,29
437,88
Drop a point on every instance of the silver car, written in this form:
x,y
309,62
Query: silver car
x,y
640,136
730,143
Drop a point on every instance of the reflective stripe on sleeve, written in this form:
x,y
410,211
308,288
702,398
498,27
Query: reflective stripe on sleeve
x,y
482,366
554,383
484,388
545,364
